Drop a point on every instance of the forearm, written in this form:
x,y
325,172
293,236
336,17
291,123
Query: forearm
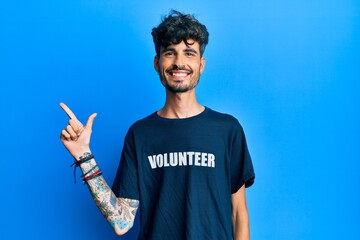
x,y
240,215
119,212
241,229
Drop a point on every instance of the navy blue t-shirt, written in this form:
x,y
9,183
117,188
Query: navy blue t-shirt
x,y
183,172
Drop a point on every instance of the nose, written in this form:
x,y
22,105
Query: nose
x,y
179,61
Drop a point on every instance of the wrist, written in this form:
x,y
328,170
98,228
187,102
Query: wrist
x,y
89,167
82,153
85,162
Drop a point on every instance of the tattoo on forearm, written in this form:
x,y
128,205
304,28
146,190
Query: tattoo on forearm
x,y
113,200
119,212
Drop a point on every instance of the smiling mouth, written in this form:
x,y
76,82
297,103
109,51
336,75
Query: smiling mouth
x,y
179,73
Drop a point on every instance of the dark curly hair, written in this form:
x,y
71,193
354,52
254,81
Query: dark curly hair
x,y
177,27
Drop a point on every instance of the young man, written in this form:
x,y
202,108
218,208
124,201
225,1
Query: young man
x,y
186,165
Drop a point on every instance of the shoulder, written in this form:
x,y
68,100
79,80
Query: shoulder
x,y
143,122
223,117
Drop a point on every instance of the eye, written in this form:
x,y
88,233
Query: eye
x,y
190,53
169,53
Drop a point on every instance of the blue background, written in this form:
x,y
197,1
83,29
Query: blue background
x,y
288,70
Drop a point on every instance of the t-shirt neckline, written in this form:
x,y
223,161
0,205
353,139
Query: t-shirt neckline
x,y
206,109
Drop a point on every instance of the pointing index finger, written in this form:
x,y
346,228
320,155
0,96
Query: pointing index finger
x,y
68,111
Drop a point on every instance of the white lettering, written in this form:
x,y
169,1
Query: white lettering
x,y
182,159
211,160
197,159
166,162
152,161
174,159
203,159
190,155
160,160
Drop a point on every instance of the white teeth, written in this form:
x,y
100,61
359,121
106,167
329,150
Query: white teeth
x,y
179,74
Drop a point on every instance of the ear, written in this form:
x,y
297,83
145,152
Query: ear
x,y
202,64
156,64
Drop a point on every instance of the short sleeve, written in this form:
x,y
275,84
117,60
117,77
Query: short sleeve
x,y
126,181
242,171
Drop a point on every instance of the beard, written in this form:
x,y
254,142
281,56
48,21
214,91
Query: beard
x,y
179,87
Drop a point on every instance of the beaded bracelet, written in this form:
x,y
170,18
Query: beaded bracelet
x,y
81,160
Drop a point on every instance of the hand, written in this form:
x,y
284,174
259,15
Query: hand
x,y
76,136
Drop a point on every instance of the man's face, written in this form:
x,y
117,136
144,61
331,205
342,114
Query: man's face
x,y
179,66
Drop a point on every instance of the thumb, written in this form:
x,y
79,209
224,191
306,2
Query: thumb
x,y
90,120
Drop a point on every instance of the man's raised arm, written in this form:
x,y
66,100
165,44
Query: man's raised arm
x,y
119,212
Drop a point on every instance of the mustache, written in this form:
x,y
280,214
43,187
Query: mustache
x,y
178,68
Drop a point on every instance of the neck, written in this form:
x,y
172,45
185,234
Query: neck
x,y
180,105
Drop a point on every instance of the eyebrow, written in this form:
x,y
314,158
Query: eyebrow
x,y
173,50
167,50
191,50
